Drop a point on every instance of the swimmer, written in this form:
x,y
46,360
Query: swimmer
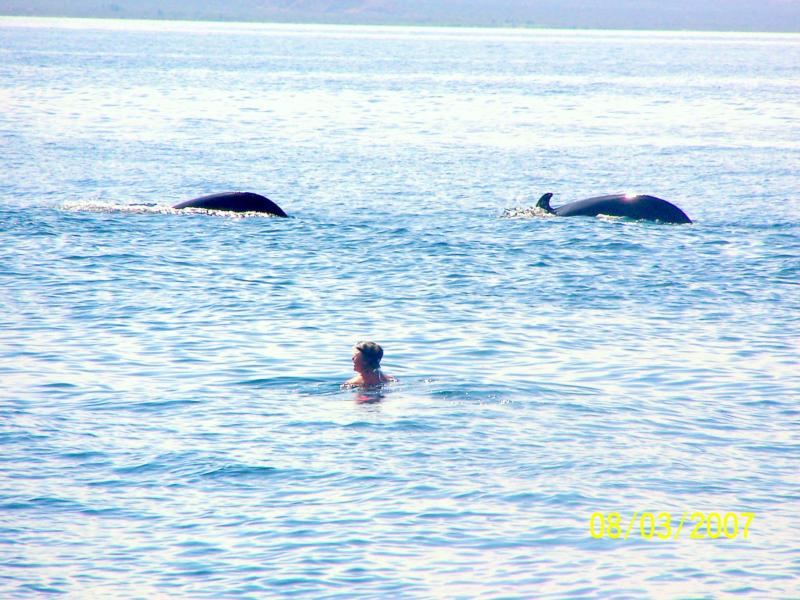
x,y
367,363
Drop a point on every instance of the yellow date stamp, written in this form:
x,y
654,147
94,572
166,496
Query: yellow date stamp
x,y
648,525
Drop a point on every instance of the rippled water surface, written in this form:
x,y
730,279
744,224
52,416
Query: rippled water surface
x,y
171,420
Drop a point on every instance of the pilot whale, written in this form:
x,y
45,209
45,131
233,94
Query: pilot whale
x,y
619,205
236,202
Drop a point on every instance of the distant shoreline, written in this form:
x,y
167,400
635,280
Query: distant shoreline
x,y
734,16
109,20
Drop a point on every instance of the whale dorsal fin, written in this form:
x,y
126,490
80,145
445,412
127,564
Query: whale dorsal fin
x,y
544,202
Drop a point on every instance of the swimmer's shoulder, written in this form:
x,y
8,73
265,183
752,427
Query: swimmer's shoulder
x,y
353,382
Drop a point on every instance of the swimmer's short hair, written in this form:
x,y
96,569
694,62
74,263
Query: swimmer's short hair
x,y
372,353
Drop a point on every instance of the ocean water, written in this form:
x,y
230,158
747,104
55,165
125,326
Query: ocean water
x,y
171,418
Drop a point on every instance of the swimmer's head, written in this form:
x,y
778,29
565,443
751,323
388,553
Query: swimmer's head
x,y
370,353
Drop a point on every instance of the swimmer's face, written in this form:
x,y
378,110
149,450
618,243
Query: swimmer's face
x,y
358,360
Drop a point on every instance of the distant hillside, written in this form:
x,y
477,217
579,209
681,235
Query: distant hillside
x,y
721,15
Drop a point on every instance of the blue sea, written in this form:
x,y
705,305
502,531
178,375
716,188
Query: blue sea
x,y
171,418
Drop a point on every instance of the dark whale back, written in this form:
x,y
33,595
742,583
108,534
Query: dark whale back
x,y
620,205
236,202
